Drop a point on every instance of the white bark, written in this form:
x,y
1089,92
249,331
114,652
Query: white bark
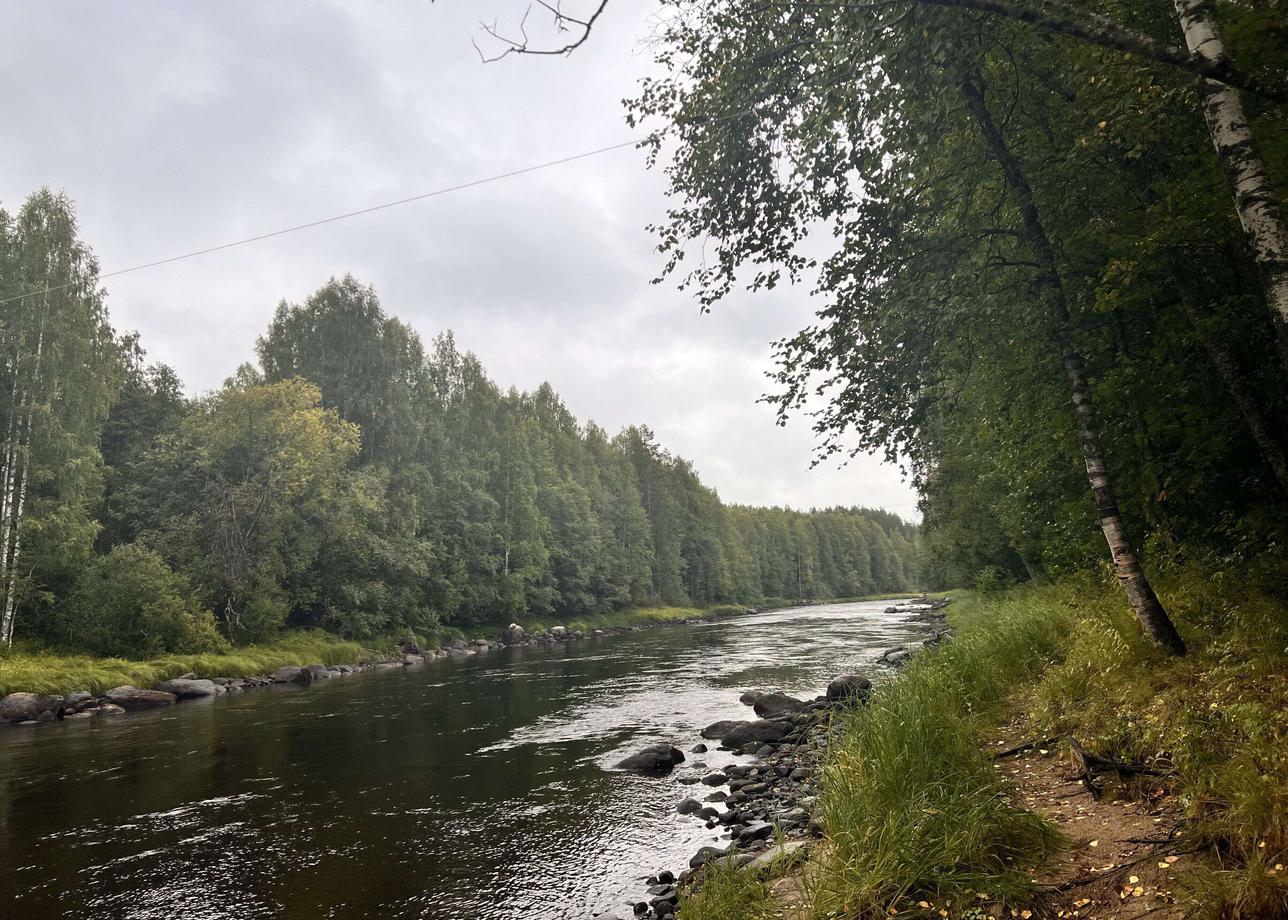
x,y
1254,194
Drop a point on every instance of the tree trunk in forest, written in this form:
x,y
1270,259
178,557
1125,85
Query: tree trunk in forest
x,y
1272,449
1254,193
1148,610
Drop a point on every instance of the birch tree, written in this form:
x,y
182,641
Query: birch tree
x,y
58,373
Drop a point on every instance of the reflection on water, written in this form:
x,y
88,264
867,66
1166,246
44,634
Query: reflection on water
x,y
461,789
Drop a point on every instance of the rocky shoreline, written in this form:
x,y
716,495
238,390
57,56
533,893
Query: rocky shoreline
x,y
766,806
30,709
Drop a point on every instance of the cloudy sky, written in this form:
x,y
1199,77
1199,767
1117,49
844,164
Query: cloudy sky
x,y
179,124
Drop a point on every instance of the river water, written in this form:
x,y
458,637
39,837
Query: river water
x,y
465,788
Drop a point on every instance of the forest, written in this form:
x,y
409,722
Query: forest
x,y
352,479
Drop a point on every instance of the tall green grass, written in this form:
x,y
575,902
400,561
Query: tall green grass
x,y
913,806
45,672
728,893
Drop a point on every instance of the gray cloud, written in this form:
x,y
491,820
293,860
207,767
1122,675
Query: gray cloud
x,y
177,125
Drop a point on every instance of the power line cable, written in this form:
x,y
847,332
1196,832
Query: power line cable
x,y
345,216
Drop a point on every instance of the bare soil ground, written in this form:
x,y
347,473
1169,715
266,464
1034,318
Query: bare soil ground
x,y
1124,853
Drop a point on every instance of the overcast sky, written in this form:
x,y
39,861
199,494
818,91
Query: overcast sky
x,y
180,124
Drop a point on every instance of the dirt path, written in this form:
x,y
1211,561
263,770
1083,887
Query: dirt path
x,y
1124,853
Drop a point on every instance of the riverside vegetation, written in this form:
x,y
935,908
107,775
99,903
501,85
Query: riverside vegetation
x,y
353,482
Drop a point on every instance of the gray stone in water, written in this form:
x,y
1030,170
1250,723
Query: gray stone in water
x,y
849,686
289,674
706,855
21,707
714,779
189,689
698,749
656,760
777,705
133,698
689,806
514,634
756,733
718,730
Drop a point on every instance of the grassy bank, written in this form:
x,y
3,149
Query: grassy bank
x,y
916,814
40,671
48,672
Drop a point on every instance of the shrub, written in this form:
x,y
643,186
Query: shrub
x,y
129,603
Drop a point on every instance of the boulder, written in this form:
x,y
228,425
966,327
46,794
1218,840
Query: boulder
x,y
755,734
188,689
750,697
656,760
717,730
456,642
132,698
896,657
20,707
319,672
689,806
849,687
706,855
777,706
514,634
714,779
558,633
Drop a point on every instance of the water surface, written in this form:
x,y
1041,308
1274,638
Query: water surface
x,y
465,788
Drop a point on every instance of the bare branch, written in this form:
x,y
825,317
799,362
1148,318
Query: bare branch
x,y
581,29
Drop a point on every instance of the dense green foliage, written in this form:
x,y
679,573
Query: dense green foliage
x,y
848,143
359,482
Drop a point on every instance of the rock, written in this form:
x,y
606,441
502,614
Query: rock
x,y
318,671
656,760
706,855
714,779
189,688
756,733
454,643
698,749
849,687
750,697
718,796
558,633
718,730
777,706
757,830
514,634
79,697
20,707
289,674
109,709
132,698
766,859
409,660
688,807
895,657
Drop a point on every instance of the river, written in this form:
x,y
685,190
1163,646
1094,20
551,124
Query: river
x,y
465,788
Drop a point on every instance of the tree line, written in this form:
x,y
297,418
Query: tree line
x,y
1049,250
353,478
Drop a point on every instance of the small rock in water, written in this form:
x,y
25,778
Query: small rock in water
x,y
714,779
656,760
698,749
689,806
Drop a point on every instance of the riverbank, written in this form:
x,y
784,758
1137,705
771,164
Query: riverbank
x,y
768,813
54,678
922,817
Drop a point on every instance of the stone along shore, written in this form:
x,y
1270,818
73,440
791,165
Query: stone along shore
x,y
34,708
766,806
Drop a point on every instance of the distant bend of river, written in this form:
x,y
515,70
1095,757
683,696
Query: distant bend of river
x,y
464,788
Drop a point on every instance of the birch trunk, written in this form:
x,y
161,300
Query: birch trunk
x,y
1254,194
1272,449
1146,607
